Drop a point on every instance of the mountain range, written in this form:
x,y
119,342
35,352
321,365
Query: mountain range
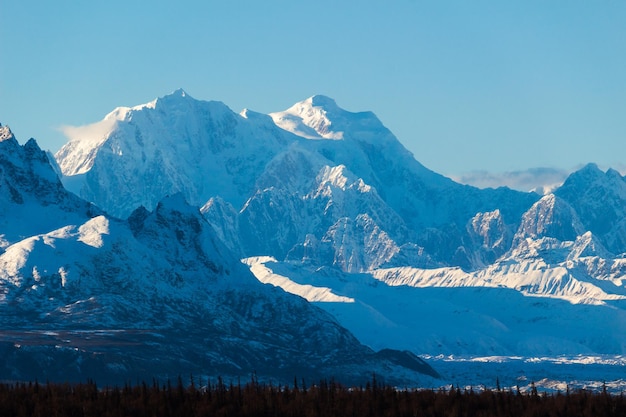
x,y
326,204
155,295
273,182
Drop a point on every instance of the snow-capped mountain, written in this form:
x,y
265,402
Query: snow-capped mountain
x,y
157,295
310,171
549,288
599,198
138,155
329,205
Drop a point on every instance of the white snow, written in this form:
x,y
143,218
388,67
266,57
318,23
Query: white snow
x,y
171,145
554,373
309,292
63,274
84,141
450,316
5,133
308,119
474,336
91,232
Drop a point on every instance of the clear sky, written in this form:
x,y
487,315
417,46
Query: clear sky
x,y
465,85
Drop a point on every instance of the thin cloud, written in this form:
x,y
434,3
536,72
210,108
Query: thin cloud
x,y
540,180
95,130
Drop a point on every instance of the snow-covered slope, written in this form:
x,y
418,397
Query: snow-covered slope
x,y
138,155
476,329
156,295
447,311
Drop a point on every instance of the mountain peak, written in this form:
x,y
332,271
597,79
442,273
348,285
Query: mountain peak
x,y
176,96
322,101
312,118
590,168
5,133
179,92
588,174
176,202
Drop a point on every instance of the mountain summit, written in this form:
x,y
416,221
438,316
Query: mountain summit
x,y
173,144
317,117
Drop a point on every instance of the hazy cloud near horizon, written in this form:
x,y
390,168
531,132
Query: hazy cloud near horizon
x,y
540,180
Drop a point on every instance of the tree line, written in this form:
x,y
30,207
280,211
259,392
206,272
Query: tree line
x,y
327,398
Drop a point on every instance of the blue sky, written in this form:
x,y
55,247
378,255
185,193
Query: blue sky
x,y
465,85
